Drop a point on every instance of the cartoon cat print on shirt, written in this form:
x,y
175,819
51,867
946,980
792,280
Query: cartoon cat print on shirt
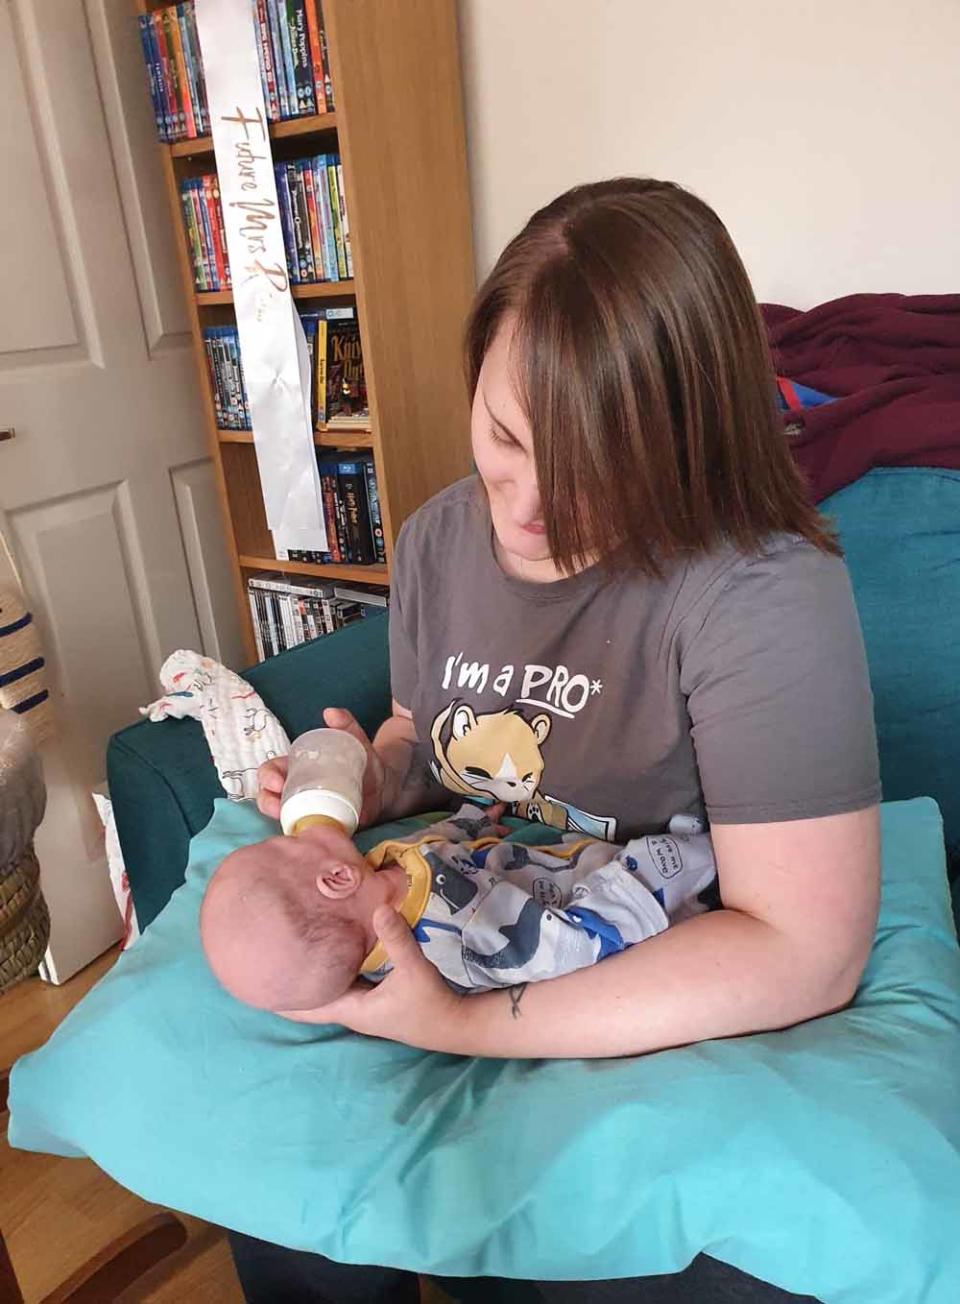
x,y
497,755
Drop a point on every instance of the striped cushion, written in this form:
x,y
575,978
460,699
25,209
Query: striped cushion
x,y
23,687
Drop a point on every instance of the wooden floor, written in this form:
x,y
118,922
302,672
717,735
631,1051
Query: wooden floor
x,y
56,1213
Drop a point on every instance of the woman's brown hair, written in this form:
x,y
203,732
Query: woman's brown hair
x,y
643,367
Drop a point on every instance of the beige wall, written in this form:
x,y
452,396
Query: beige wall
x,y
823,131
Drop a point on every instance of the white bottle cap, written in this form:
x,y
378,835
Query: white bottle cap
x,y
318,801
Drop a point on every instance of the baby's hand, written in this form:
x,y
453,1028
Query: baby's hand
x,y
495,815
472,821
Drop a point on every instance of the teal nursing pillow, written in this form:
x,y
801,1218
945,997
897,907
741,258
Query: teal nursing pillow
x,y
824,1159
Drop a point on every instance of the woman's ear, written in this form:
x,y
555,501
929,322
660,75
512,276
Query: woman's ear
x,y
338,881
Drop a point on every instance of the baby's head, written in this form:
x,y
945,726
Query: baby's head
x,y
286,924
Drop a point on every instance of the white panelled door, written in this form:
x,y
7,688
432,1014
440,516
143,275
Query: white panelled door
x,y
107,496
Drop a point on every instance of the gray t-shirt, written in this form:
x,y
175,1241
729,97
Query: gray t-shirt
x,y
734,687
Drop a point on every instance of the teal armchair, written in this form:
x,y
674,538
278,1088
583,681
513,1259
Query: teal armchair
x,y
161,777
900,533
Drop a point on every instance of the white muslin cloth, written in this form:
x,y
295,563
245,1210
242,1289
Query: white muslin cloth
x,y
240,731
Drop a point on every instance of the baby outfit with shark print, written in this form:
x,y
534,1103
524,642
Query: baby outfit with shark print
x,y
489,913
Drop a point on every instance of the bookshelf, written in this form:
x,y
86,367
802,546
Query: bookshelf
x,y
313,125
317,290
398,127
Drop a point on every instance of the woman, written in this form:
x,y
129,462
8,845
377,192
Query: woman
x,y
632,612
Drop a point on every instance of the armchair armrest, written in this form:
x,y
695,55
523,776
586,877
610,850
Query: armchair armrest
x,y
162,779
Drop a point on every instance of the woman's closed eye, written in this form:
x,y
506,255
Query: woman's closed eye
x,y
504,438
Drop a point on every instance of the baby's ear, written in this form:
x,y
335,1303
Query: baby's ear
x,y
339,881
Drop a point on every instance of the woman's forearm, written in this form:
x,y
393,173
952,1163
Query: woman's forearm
x,y
719,975
408,787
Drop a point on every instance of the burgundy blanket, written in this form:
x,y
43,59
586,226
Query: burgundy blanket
x,y
893,360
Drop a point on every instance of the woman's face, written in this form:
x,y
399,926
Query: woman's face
x,y
503,451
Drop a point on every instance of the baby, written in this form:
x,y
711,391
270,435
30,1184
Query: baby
x,y
287,924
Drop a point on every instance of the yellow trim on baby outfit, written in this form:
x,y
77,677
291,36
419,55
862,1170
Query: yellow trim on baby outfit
x,y
409,857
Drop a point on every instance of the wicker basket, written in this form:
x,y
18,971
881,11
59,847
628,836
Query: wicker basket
x,y
24,920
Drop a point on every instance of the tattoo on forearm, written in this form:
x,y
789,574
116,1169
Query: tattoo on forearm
x,y
516,996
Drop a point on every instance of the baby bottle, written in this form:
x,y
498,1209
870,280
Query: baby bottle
x,y
324,782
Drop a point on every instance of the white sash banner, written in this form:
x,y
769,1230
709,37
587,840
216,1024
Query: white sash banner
x,y
276,365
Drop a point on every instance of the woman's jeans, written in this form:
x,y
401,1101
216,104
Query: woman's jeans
x,y
270,1274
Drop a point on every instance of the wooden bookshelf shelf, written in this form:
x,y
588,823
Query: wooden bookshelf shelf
x,y
312,125
407,197
312,290
343,438
322,438
355,574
